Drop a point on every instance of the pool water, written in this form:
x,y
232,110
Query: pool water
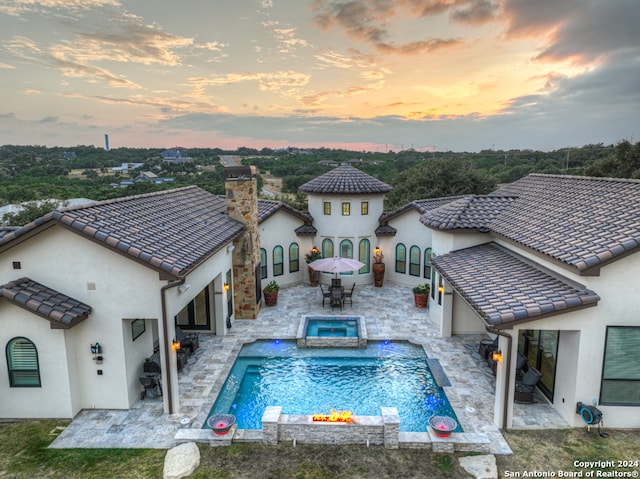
x,y
308,381
329,327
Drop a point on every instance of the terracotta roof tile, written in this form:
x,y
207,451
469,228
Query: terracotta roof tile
x,y
172,230
580,221
502,287
468,212
46,302
345,180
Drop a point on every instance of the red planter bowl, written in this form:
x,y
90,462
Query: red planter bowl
x,y
221,423
442,425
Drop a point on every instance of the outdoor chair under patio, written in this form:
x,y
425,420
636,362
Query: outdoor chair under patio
x,y
348,295
336,297
487,346
189,342
325,295
526,386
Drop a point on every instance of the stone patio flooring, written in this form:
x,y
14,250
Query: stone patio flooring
x,y
389,314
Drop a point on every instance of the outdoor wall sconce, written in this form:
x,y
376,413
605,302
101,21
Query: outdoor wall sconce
x,y
175,345
376,250
440,289
96,350
497,356
226,286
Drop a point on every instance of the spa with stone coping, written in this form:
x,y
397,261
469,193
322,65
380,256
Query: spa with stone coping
x,y
332,332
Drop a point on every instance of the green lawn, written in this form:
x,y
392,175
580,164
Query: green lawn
x,y
24,454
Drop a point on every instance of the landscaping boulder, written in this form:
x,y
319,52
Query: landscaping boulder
x,y
181,461
482,467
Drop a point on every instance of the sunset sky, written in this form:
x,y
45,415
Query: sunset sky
x,y
374,75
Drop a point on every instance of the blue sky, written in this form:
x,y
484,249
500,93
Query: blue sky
x,y
375,75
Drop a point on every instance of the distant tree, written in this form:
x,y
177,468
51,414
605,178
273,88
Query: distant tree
x,y
438,178
30,212
623,163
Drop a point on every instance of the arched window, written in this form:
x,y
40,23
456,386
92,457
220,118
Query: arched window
x,y
427,263
263,263
22,361
278,260
414,260
364,255
346,251
327,248
401,258
294,258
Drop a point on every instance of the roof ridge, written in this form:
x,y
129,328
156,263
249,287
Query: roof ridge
x,y
587,178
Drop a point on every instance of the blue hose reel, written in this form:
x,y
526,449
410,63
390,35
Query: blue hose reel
x,y
591,415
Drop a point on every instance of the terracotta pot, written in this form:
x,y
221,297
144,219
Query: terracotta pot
x,y
421,300
378,274
270,297
314,276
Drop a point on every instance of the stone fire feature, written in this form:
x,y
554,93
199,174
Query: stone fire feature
x,y
242,205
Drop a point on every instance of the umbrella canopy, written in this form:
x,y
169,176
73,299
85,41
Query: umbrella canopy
x,y
336,264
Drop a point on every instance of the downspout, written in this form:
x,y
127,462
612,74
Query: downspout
x,y
505,399
166,345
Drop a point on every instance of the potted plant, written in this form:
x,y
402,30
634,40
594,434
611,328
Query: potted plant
x,y
314,276
378,267
270,293
421,295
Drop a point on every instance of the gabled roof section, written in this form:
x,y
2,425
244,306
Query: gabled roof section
x,y
582,222
504,288
471,212
61,310
267,208
172,231
421,206
345,180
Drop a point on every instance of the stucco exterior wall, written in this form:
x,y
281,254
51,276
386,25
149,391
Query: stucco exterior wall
x,y
116,288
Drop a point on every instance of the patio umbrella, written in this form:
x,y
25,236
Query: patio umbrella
x,y
336,265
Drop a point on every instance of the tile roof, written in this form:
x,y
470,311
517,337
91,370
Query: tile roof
x,y
421,206
172,231
266,208
62,310
504,288
582,222
345,180
475,212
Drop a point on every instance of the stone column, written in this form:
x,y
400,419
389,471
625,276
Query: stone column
x,y
242,205
391,425
270,423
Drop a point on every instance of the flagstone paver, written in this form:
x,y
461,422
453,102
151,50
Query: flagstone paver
x,y
389,313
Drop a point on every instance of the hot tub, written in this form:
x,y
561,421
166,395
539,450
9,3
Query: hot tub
x,y
332,332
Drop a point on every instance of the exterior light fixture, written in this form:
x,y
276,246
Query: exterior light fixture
x,y
497,356
226,286
440,289
175,345
183,287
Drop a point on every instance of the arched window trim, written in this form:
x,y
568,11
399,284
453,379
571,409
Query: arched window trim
x,y
294,257
263,263
401,258
427,263
278,262
349,245
414,254
364,255
23,365
327,249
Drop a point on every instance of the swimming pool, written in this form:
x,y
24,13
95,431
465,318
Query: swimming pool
x,y
308,381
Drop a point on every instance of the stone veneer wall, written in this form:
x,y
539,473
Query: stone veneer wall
x,y
242,205
378,430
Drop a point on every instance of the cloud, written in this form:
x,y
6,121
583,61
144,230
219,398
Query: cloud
x,y
20,7
372,22
267,81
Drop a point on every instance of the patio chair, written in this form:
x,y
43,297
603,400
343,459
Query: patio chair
x,y
189,342
521,362
526,386
336,283
325,295
348,295
336,297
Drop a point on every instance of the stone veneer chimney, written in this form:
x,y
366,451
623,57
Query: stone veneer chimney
x,y
242,205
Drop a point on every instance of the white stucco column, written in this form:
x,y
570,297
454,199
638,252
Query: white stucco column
x,y
504,384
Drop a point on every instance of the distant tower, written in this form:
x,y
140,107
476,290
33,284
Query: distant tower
x,y
106,142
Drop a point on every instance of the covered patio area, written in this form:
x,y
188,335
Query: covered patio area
x,y
389,313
